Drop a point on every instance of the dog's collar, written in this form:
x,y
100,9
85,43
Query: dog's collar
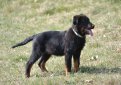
x,y
77,34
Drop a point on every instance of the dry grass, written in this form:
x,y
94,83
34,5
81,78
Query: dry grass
x,y
100,60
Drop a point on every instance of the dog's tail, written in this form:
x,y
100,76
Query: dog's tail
x,y
24,42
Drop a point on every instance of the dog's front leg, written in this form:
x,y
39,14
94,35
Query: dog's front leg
x,y
68,62
76,59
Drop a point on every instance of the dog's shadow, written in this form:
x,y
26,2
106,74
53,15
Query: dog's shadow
x,y
87,69
97,70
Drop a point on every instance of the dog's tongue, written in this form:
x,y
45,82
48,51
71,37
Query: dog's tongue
x,y
90,32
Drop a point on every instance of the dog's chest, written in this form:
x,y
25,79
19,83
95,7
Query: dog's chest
x,y
78,44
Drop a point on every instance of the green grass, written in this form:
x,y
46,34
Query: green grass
x,y
22,18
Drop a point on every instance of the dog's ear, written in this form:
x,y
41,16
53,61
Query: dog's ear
x,y
75,20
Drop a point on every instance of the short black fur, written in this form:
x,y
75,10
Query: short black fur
x,y
59,43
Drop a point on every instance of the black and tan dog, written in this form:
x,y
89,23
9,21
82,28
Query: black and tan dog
x,y
68,43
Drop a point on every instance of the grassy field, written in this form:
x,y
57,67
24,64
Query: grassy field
x,y
22,18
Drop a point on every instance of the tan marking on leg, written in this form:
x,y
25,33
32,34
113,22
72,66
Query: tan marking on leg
x,y
67,71
43,68
76,66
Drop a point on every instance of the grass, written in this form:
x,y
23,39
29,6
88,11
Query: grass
x,y
22,18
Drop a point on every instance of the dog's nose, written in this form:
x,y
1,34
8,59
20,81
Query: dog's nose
x,y
93,26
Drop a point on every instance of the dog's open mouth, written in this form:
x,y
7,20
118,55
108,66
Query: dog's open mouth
x,y
89,29
89,32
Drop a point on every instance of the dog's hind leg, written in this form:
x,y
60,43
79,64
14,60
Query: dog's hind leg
x,y
33,58
31,61
43,61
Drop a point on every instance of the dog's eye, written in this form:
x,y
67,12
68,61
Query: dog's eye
x,y
85,23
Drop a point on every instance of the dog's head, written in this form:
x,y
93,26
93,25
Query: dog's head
x,y
83,25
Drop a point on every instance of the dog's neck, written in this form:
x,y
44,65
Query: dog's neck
x,y
76,33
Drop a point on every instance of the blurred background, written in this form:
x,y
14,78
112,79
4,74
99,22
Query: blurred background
x,y
100,59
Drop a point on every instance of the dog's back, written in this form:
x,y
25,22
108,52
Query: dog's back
x,y
51,42
41,37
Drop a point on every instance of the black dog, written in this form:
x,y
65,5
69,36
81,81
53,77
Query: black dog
x,y
68,43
